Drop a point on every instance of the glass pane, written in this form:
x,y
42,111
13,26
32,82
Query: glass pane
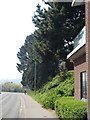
x,y
83,85
80,37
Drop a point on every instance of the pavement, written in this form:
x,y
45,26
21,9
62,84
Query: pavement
x,y
19,105
32,109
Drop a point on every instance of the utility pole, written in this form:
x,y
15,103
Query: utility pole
x,y
35,76
35,70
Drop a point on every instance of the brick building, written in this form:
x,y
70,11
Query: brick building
x,y
80,56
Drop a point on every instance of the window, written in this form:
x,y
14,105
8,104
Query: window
x,y
83,85
80,38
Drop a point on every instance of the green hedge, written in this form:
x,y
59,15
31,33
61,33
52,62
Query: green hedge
x,y
66,88
47,99
53,95
67,107
62,84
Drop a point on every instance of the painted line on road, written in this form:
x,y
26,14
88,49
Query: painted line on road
x,y
22,112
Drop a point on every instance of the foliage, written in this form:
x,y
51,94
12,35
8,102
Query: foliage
x,y
58,95
11,87
51,91
62,83
66,88
57,26
67,107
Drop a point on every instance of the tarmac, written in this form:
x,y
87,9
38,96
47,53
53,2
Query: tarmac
x,y
32,109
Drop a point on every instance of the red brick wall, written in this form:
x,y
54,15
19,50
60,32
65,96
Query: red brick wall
x,y
79,66
87,10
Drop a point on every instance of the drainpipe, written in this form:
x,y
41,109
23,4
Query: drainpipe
x,y
87,10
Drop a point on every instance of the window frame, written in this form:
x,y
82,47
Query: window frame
x,y
83,84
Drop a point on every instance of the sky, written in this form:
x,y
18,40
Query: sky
x,y
15,25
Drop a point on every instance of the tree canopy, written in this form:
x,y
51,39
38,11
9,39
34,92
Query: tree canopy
x,y
51,42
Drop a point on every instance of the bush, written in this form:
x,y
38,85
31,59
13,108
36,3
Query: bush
x,y
67,107
51,84
48,98
66,88
61,85
51,96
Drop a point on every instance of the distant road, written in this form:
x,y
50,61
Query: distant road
x,y
19,105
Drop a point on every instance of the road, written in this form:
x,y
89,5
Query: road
x,y
19,105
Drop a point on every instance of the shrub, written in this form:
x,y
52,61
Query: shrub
x,y
55,89
69,108
66,88
48,99
52,84
51,96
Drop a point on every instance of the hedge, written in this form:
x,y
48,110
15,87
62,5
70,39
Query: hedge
x,y
67,107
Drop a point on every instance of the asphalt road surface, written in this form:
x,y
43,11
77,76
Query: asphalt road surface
x,y
19,105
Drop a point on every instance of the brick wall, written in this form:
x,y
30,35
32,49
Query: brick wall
x,y
79,66
87,10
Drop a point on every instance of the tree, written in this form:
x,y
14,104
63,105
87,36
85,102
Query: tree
x,y
11,87
51,42
57,27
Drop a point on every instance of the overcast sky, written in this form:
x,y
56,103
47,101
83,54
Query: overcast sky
x,y
15,25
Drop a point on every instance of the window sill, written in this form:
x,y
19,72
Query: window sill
x,y
84,99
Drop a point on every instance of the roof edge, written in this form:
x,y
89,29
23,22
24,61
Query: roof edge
x,y
77,2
